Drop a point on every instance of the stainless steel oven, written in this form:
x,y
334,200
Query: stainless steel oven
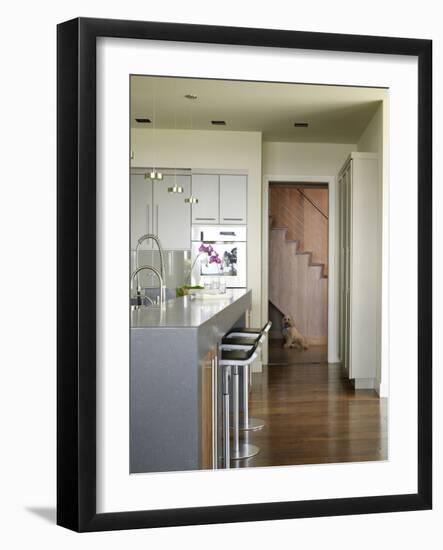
x,y
219,251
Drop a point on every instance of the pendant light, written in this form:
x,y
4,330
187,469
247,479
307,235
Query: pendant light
x,y
154,174
191,199
175,188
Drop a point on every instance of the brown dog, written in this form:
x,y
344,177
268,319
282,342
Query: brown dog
x,y
293,338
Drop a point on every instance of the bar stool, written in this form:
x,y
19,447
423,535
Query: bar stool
x,y
234,357
247,337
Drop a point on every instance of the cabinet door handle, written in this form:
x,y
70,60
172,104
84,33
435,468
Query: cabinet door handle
x,y
233,219
206,219
148,208
156,219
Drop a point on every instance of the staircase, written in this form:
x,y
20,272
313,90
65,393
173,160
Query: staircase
x,y
298,286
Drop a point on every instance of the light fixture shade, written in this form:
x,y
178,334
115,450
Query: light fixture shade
x,y
191,200
175,189
154,175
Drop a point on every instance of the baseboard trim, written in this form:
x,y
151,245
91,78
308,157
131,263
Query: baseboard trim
x,y
381,389
364,383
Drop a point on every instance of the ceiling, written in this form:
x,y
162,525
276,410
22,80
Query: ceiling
x,y
335,114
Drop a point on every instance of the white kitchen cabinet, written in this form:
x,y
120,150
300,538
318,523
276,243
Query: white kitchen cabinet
x,y
360,265
206,188
171,215
154,210
233,199
141,209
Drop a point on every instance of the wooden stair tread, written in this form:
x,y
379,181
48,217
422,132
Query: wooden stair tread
x,y
303,252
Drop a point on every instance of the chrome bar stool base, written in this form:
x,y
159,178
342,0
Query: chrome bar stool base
x,y
251,425
244,450
246,337
236,359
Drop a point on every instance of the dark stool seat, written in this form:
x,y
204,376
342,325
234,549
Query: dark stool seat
x,y
260,332
257,331
238,354
237,341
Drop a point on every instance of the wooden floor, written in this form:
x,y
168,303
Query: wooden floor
x,y
313,415
278,355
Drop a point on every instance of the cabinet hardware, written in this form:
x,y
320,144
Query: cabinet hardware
x,y
233,219
205,219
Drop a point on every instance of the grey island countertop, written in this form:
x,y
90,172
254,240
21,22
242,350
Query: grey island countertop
x,y
187,311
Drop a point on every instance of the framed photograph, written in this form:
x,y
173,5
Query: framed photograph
x,y
244,274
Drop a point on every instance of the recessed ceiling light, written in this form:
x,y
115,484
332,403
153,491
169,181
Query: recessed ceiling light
x,y
218,122
301,124
191,96
143,120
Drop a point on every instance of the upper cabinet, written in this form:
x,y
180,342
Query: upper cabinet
x,y
222,199
206,188
233,199
155,210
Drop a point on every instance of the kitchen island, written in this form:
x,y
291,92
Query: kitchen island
x,y
175,383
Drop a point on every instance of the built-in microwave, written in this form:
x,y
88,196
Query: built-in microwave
x,y
219,251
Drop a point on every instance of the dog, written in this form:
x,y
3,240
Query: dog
x,y
293,338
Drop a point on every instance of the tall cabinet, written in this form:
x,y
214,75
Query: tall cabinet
x,y
155,210
360,268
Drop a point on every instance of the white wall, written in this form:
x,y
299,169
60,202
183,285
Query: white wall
x,y
307,159
374,139
212,150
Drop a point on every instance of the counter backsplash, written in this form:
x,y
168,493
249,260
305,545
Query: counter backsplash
x,y
177,266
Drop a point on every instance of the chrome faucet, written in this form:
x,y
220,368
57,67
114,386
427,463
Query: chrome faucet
x,y
160,280
156,239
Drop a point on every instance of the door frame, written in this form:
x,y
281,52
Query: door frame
x,y
330,181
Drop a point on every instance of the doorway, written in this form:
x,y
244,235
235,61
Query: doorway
x,y
298,272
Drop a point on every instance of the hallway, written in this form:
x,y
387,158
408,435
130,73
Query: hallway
x,y
313,415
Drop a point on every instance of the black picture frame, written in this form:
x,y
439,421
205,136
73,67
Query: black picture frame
x,y
76,278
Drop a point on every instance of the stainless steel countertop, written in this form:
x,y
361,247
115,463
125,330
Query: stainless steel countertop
x,y
185,312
